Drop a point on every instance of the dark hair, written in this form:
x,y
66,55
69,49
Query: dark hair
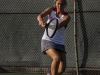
x,y
57,0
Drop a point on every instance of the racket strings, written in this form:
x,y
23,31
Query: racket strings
x,y
52,27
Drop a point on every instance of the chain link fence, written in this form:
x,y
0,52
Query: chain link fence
x,y
20,36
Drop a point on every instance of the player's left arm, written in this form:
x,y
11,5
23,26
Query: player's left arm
x,y
64,21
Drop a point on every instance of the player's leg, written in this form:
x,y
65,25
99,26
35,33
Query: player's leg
x,y
62,65
56,60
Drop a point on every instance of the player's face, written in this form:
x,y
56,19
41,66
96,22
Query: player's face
x,y
60,5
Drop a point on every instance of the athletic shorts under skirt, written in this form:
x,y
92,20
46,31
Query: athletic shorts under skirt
x,y
45,45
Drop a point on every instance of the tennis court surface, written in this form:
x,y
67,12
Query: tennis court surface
x,y
19,74
24,74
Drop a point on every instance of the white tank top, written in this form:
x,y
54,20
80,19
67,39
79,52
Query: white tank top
x,y
58,37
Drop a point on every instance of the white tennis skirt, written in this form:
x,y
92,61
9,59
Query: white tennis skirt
x,y
45,45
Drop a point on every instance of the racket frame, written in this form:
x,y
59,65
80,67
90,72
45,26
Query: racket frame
x,y
47,25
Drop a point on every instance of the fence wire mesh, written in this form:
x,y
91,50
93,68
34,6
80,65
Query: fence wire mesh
x,y
20,35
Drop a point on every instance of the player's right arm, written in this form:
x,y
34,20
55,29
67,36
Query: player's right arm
x,y
43,14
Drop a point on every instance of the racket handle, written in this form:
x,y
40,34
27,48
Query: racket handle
x,y
46,25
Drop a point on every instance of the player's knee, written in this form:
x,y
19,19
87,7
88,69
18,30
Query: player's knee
x,y
56,58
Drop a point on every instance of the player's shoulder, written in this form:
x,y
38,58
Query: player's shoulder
x,y
66,16
50,8
65,13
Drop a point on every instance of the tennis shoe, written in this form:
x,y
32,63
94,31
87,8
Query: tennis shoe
x,y
48,74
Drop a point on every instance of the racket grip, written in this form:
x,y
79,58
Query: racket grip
x,y
46,25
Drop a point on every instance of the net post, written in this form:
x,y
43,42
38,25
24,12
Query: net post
x,y
75,37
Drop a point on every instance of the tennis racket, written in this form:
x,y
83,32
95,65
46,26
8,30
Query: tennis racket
x,y
51,27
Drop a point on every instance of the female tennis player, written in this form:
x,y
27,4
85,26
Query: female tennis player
x,y
54,47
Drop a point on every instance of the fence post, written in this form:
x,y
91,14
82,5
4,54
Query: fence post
x,y
75,37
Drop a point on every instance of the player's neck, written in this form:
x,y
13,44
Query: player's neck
x,y
59,15
60,12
